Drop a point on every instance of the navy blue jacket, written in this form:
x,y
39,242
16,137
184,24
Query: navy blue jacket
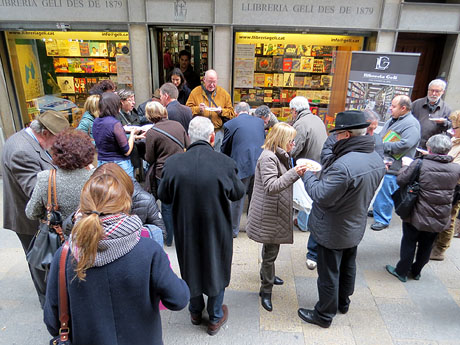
x,y
243,137
180,113
118,302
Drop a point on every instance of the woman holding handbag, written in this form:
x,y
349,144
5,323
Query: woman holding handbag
x,y
72,154
437,179
114,277
270,212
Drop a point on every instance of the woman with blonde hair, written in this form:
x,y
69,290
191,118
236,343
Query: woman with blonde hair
x,y
115,278
444,238
162,141
91,111
270,218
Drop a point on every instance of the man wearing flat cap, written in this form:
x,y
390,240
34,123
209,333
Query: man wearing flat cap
x,y
337,220
24,155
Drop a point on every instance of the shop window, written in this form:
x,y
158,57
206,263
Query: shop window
x,y
56,70
271,69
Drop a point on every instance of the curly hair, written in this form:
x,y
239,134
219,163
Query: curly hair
x,y
72,150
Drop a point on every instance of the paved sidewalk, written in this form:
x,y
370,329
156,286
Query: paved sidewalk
x,y
383,310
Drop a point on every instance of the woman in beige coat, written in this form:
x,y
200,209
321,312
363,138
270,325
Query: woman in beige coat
x,y
270,212
444,238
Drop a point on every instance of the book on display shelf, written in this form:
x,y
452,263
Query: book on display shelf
x,y
269,49
280,49
289,79
277,64
290,50
299,81
268,80
84,48
287,64
278,79
74,48
264,64
304,50
259,79
306,64
295,65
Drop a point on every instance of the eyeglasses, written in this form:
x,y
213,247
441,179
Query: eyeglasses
x,y
435,90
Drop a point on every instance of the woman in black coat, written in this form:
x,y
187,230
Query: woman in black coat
x,y
431,214
177,78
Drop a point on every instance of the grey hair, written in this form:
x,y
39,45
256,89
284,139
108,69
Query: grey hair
x,y
37,126
438,82
242,107
125,94
170,89
299,103
262,111
371,115
404,101
200,128
439,144
357,132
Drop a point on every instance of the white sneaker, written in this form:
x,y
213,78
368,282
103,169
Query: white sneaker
x,y
311,264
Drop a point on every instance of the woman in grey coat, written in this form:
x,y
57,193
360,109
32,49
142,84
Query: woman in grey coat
x,y
72,154
270,212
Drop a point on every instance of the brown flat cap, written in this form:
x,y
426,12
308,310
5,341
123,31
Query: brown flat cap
x,y
53,121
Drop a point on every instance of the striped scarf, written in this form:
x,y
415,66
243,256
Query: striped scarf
x,y
122,233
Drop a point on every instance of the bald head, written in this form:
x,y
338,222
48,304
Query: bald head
x,y
210,80
400,106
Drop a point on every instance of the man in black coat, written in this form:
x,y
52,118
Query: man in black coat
x,y
176,111
341,197
199,184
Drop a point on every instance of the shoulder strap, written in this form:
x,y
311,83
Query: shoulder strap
x,y
169,136
210,100
54,203
416,173
63,299
49,205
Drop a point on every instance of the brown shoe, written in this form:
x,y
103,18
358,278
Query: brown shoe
x,y
213,328
436,254
196,319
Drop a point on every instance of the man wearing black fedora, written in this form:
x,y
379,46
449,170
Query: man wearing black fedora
x,y
341,197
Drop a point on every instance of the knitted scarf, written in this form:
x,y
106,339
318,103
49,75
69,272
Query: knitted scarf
x,y
122,233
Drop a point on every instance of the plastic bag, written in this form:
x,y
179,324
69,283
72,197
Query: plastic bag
x,y
302,200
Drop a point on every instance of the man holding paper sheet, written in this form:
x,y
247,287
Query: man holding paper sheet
x,y
401,136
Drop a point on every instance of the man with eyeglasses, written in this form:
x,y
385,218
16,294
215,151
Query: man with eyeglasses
x,y
432,112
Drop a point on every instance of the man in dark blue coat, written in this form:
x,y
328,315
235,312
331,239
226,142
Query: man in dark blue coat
x,y
176,111
341,197
243,139
200,185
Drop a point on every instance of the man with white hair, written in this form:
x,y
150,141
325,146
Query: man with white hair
x,y
213,102
200,185
432,112
25,154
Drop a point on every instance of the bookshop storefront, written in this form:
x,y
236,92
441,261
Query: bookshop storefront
x,y
273,68
56,69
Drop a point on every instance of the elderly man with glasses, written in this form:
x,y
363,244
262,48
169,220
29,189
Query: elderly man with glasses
x,y
432,112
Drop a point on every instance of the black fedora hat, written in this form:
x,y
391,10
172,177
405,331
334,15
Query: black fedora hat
x,y
350,119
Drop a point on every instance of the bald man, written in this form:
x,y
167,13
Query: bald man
x,y
404,124
213,102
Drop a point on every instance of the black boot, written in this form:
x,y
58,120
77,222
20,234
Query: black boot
x,y
266,300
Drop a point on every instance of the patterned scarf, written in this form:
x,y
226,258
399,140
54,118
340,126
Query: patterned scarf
x,y
122,233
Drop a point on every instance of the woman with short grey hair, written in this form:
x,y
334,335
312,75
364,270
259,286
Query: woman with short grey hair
x,y
431,213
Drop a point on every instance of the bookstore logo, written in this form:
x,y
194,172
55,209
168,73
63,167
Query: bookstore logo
x,y
180,10
383,62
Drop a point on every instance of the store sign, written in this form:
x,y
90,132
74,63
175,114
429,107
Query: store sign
x,y
64,10
391,69
376,78
358,13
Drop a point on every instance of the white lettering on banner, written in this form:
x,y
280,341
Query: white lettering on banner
x,y
108,4
307,8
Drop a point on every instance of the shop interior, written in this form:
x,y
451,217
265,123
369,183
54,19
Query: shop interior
x,y
56,69
273,68
171,41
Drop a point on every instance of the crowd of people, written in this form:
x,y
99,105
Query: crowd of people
x,y
198,157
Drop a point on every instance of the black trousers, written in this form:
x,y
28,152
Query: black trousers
x,y
336,280
38,276
413,240
267,269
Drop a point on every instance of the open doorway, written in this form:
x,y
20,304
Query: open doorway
x,y
185,48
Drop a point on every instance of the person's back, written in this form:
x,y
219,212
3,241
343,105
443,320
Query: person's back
x,y
180,113
115,278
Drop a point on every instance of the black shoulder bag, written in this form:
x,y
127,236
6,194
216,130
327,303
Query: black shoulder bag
x,y
405,197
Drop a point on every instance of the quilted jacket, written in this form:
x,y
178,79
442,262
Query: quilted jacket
x,y
270,211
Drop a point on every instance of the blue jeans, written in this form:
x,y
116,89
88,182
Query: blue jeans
x,y
302,220
312,248
155,233
214,307
126,165
383,204
237,207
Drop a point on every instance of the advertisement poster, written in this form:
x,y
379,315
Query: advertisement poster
x,y
376,78
30,68
244,65
124,70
